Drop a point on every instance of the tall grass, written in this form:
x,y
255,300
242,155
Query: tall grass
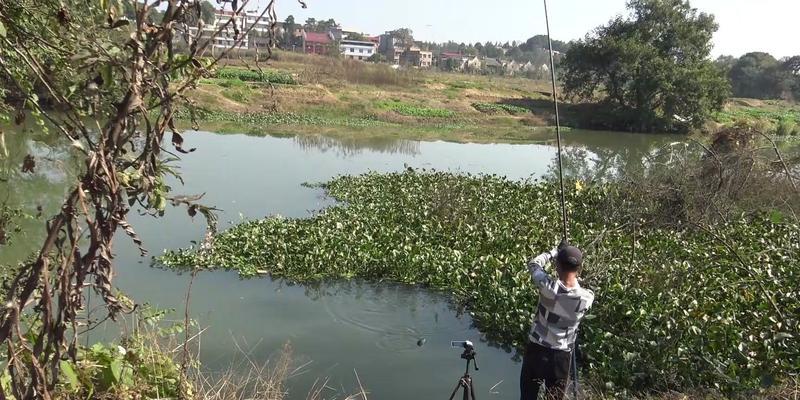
x,y
319,69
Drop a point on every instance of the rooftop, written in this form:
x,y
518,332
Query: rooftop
x,y
318,37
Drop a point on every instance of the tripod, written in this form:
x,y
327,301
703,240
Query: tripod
x,y
465,382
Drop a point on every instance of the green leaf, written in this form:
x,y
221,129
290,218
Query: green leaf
x,y
776,217
70,375
2,30
104,4
116,370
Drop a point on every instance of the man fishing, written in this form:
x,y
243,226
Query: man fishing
x,y
562,305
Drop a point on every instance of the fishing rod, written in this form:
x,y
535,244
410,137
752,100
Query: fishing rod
x,y
565,232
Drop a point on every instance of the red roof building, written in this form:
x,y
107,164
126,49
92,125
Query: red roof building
x,y
317,43
446,54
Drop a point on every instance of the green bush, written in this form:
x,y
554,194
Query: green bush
x,y
496,108
787,127
684,312
135,368
241,94
415,111
270,76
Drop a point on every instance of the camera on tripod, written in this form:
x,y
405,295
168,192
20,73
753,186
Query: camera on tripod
x,y
469,350
465,382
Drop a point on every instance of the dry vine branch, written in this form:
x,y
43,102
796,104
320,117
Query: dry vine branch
x,y
116,84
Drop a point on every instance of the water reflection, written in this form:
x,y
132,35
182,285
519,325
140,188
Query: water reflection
x,y
348,147
602,156
38,193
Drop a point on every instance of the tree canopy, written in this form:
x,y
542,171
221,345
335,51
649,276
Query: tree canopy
x,y
652,67
759,75
405,35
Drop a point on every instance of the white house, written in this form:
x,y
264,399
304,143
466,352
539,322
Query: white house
x,y
357,49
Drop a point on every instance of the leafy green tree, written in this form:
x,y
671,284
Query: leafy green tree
x,y
289,26
754,75
652,67
492,51
207,12
540,42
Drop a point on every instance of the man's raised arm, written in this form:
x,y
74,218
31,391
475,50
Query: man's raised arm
x,y
536,268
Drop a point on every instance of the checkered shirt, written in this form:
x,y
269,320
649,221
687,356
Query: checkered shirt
x,y
555,323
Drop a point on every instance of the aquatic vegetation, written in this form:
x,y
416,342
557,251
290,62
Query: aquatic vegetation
x,y
676,308
780,115
277,118
266,75
416,111
498,108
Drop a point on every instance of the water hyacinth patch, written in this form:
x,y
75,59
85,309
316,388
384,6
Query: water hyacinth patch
x,y
499,108
269,76
675,309
416,111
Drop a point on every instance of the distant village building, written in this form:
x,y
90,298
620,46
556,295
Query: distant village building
x,y
492,65
473,64
391,47
415,57
317,43
452,61
226,37
512,67
357,49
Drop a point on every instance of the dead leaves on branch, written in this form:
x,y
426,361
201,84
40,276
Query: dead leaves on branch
x,y
28,164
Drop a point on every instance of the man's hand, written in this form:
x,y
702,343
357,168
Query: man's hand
x,y
564,244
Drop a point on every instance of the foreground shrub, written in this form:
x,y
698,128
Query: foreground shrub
x,y
711,307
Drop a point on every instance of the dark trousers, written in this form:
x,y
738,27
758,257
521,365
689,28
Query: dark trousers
x,y
543,365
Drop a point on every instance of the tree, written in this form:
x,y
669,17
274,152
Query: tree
x,y
725,63
112,88
311,24
357,36
652,67
404,35
207,13
755,75
289,26
759,75
377,58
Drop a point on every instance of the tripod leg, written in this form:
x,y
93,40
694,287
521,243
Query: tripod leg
x,y
453,395
472,389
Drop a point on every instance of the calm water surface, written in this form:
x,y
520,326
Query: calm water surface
x,y
336,328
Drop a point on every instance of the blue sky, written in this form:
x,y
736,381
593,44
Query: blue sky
x,y
745,25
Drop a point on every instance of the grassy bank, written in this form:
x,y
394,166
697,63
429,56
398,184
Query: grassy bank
x,y
298,94
777,116
295,93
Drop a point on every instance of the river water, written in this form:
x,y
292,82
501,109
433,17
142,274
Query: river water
x,y
337,329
